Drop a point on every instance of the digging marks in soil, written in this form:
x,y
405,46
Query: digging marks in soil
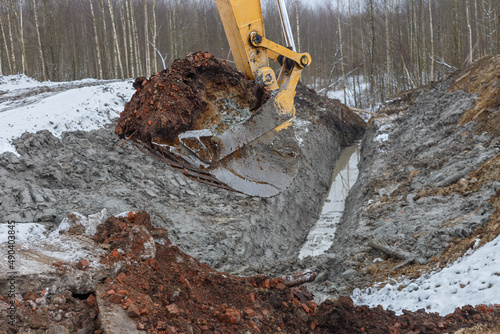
x,y
88,170
428,184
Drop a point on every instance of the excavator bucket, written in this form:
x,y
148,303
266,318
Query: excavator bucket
x,y
259,156
250,151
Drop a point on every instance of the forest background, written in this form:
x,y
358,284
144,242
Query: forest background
x,y
373,48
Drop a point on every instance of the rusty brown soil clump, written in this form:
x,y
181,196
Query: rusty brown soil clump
x,y
160,289
195,92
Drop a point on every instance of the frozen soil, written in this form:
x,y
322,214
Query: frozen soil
x,y
194,93
88,171
428,187
160,289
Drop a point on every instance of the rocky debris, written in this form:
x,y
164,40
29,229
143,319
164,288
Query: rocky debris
x,y
42,312
196,92
167,291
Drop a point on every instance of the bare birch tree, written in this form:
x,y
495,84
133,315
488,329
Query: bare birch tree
x,y
388,48
96,40
11,40
433,55
5,44
155,32
128,23
125,39
21,37
117,54
469,29
40,50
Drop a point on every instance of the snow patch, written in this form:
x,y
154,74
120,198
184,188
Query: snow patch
x,y
22,232
383,137
89,223
473,279
86,108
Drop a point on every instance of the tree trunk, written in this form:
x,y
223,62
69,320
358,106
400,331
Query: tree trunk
x,y
11,40
341,45
363,55
155,33
106,48
146,39
129,24
372,55
469,29
124,35
117,53
173,31
21,38
431,27
135,40
6,47
423,54
476,25
42,58
388,50
96,40
298,26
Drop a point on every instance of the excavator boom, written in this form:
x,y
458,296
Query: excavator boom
x,y
259,156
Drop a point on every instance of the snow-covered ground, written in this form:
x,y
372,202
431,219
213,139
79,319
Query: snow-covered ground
x,y
27,105
474,279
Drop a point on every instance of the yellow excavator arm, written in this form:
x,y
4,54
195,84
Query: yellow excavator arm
x,y
244,27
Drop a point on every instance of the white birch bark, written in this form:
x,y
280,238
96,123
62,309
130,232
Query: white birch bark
x,y
341,46
431,27
118,67
469,29
96,40
21,38
147,54
298,25
130,41
136,41
388,49
155,32
40,50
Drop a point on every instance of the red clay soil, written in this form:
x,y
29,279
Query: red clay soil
x,y
167,291
187,96
175,293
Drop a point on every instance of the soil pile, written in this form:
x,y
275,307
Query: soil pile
x,y
160,289
194,93
86,172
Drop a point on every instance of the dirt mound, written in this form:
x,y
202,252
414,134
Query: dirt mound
x,y
160,289
194,93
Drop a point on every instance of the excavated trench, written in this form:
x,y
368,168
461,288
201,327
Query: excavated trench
x,y
88,171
